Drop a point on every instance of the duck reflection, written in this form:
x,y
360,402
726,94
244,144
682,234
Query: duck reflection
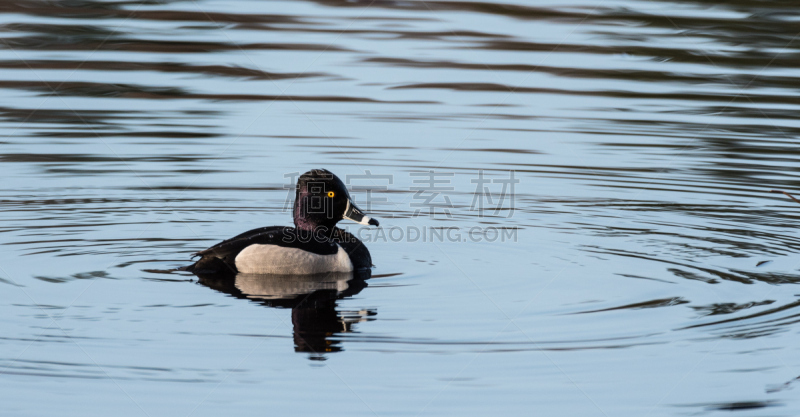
x,y
312,299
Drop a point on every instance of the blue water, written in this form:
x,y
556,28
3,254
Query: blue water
x,y
646,270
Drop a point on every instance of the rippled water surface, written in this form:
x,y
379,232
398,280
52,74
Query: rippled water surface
x,y
652,272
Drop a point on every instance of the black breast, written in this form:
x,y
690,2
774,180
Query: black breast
x,y
359,254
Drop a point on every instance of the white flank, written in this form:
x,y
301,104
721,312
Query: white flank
x,y
272,259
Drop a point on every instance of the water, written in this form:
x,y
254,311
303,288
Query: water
x,y
652,272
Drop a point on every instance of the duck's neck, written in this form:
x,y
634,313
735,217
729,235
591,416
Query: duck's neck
x,y
307,222
306,227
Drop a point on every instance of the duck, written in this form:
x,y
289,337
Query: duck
x,y
313,246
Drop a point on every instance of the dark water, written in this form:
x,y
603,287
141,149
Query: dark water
x,y
645,136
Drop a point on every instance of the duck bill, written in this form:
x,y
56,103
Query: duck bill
x,y
355,214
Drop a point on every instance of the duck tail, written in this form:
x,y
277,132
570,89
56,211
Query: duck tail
x,y
209,265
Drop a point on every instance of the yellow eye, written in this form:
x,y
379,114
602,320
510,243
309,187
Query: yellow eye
x,y
331,194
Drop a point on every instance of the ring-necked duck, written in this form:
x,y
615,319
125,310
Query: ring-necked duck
x,y
315,245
